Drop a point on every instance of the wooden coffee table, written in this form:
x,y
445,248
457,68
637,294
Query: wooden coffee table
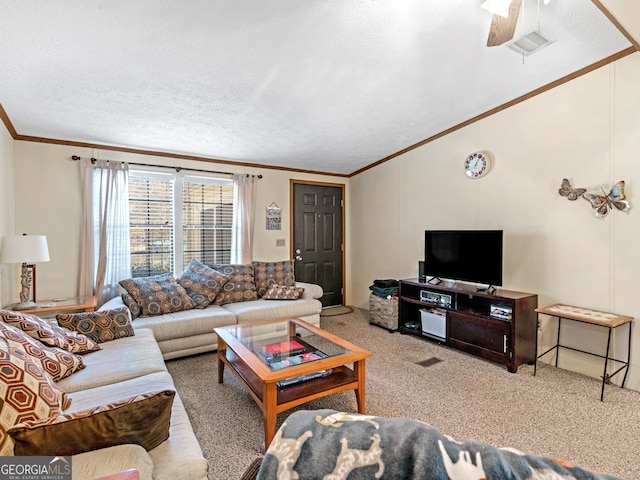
x,y
241,348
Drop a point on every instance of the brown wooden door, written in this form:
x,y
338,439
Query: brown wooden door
x,y
318,238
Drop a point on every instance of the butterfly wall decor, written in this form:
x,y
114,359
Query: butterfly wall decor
x,y
602,204
615,199
566,190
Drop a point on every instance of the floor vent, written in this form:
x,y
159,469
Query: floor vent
x,y
429,361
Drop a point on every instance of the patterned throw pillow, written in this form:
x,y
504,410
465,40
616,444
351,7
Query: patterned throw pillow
x,y
283,292
101,326
56,362
49,333
143,420
202,283
158,295
132,305
241,286
270,273
27,393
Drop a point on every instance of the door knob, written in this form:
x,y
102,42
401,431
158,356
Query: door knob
x,y
298,251
298,257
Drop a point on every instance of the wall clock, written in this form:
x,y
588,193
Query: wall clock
x,y
477,165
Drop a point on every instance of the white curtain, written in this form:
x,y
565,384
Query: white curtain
x,y
244,212
86,285
106,253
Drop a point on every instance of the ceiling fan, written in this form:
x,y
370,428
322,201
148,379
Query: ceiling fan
x,y
504,20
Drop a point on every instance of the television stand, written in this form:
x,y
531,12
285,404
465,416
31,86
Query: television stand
x,y
499,326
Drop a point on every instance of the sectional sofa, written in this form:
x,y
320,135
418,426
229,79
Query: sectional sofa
x,y
189,332
123,400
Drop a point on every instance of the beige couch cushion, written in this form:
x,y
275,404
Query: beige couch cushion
x,y
180,456
109,365
180,347
107,461
187,323
273,309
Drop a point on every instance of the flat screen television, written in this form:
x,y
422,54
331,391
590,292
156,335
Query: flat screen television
x,y
467,255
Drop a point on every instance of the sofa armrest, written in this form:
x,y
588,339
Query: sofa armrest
x,y
115,302
311,290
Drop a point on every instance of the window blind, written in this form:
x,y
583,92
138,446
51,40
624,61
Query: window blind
x,y
175,218
151,224
207,218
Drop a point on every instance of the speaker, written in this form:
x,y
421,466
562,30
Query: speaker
x,y
421,276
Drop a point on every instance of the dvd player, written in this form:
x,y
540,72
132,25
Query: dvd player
x,y
440,299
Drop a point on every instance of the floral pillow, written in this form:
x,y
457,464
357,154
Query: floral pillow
x,y
270,273
158,294
241,286
49,333
202,283
283,292
27,393
101,326
58,363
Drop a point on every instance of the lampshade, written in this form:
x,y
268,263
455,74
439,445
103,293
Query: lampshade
x,y
24,249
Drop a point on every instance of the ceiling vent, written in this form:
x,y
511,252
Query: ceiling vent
x,y
529,43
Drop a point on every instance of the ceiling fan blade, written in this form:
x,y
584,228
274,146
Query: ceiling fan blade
x,y
502,29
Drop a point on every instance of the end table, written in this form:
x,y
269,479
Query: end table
x,y
68,305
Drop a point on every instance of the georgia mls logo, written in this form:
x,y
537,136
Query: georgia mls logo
x,y
35,468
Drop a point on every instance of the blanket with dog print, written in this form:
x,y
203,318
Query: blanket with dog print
x,y
331,445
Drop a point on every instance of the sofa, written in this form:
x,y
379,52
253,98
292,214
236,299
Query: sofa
x,y
111,406
190,332
327,444
118,409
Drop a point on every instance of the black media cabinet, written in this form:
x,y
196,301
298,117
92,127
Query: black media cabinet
x,y
499,326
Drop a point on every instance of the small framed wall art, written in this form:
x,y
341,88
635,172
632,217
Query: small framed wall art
x,y
274,217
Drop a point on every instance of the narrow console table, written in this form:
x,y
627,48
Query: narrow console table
x,y
594,317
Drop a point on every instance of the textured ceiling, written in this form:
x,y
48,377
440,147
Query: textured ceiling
x,y
320,85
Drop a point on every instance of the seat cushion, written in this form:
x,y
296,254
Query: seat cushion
x,y
112,460
186,324
118,360
273,309
180,456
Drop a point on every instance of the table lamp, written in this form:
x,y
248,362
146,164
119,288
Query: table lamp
x,y
25,249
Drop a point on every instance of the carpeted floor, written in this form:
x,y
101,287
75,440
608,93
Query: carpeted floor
x,y
557,413
337,310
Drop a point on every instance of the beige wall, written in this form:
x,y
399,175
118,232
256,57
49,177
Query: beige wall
x,y
586,131
8,273
49,203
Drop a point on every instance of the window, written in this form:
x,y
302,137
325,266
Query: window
x,y
175,218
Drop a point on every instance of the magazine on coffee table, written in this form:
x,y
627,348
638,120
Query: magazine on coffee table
x,y
278,349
